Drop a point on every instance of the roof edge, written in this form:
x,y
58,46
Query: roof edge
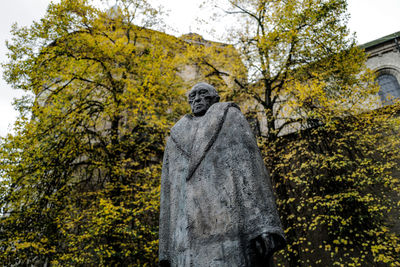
x,y
380,40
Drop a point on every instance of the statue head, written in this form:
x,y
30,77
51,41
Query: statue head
x,y
201,97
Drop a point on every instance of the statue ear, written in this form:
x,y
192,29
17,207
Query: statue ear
x,y
216,98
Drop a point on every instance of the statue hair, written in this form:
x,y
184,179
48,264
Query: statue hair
x,y
209,87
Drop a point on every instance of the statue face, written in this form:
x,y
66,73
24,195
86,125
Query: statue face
x,y
200,100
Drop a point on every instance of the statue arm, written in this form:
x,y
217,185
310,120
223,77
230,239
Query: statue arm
x,y
164,263
256,191
164,260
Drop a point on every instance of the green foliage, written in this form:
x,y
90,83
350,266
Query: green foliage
x,y
80,176
286,42
338,191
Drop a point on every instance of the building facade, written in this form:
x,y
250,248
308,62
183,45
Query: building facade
x,y
384,60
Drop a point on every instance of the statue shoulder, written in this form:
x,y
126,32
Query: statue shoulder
x,y
234,105
233,111
222,106
182,123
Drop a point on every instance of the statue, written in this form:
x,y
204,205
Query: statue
x,y
217,207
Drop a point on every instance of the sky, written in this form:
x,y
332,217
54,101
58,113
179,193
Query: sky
x,y
370,19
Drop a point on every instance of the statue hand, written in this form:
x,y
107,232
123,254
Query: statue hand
x,y
165,263
262,248
264,245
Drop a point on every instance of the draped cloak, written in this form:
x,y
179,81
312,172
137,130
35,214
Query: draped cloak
x,y
215,191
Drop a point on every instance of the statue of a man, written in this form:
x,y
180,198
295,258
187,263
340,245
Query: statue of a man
x,y
217,207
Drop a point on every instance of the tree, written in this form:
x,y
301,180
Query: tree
x,y
80,175
332,154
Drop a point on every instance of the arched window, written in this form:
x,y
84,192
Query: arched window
x,y
390,88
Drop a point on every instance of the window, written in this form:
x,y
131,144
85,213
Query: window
x,y
390,88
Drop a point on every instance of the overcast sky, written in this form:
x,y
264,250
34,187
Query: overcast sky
x,y
370,19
